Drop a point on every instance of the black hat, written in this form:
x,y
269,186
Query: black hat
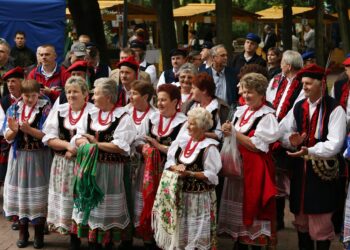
x,y
178,52
207,45
137,44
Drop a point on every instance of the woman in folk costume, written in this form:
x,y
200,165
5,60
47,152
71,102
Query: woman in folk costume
x,y
111,130
315,130
59,129
197,161
27,178
187,73
140,109
247,211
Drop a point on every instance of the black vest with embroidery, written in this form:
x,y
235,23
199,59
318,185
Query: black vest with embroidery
x,y
143,68
252,127
330,104
191,184
169,76
28,142
306,187
106,136
166,140
64,133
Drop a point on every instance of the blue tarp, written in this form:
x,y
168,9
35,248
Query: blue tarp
x,y
43,21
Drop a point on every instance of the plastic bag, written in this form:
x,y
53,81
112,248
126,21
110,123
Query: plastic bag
x,y
230,157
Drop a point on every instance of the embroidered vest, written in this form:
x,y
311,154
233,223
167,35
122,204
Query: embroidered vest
x,y
330,104
191,184
106,136
143,68
28,142
64,133
169,76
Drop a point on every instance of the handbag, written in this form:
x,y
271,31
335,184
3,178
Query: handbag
x,y
230,157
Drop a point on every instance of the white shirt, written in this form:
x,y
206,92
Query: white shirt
x,y
51,126
155,118
271,94
220,82
151,70
336,132
161,80
123,135
267,130
211,157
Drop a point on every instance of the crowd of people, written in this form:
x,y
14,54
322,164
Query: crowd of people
x,y
109,155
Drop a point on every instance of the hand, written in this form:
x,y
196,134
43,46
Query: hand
x,y
179,168
45,90
13,124
69,155
90,138
296,139
72,149
152,141
25,127
82,141
227,128
303,151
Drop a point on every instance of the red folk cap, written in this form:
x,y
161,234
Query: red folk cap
x,y
16,72
346,62
129,62
313,71
79,66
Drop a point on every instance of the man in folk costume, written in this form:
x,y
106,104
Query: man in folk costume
x,y
284,90
13,79
315,129
128,71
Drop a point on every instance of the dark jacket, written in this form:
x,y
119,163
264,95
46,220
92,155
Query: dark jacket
x,y
231,84
270,42
23,57
239,61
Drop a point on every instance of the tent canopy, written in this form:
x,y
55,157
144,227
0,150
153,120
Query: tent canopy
x,y
196,11
275,14
42,21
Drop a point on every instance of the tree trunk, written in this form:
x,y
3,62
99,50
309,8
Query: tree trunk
x,y
87,19
287,24
344,24
179,30
223,12
319,34
165,18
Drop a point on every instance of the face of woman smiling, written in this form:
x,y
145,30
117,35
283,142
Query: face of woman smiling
x,y
193,130
186,82
252,98
75,96
166,106
137,100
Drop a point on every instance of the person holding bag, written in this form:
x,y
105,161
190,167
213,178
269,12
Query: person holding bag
x,y
247,211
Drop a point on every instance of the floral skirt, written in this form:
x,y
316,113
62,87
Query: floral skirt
x,y
26,184
112,213
61,194
262,232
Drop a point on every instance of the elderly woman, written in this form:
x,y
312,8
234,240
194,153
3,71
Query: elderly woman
x,y
112,130
59,129
197,160
27,178
251,197
203,95
187,72
166,123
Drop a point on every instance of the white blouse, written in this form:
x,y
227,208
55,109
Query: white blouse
x,y
211,157
267,130
335,138
155,117
51,128
123,135
41,103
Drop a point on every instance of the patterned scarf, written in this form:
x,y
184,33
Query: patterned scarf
x,y
166,209
87,194
152,174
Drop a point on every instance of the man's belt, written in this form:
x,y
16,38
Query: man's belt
x,y
327,168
